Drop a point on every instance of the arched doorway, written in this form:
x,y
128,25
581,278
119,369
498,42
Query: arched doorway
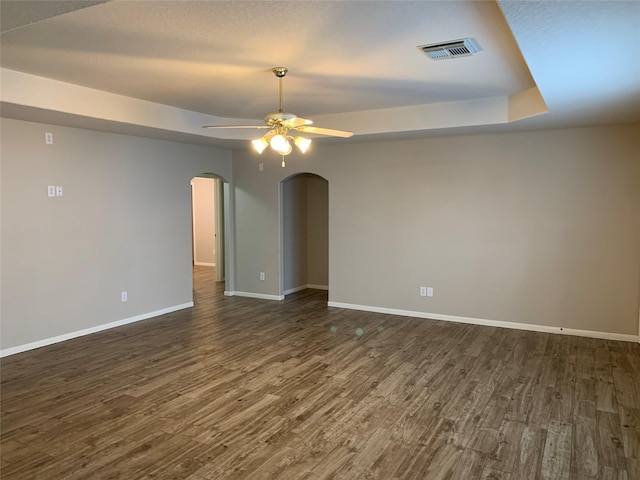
x,y
304,233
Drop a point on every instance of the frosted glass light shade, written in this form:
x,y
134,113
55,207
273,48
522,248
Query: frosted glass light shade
x,y
302,143
287,149
279,142
260,144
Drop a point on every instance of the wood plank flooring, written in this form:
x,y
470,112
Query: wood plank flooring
x,y
241,388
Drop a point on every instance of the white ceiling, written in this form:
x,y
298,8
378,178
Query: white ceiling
x,y
353,64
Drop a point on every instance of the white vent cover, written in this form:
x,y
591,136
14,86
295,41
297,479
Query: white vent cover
x,y
465,47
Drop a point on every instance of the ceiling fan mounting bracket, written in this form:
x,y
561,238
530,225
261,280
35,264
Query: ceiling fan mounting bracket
x,y
279,71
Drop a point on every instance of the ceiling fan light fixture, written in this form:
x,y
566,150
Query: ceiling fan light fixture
x,y
302,143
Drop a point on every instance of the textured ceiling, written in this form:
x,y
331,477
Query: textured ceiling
x,y
214,57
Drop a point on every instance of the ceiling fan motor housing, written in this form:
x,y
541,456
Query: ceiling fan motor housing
x,y
274,118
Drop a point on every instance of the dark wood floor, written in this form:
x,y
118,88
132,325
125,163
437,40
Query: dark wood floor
x,y
244,388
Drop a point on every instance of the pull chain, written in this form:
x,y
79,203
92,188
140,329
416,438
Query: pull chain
x,y
283,164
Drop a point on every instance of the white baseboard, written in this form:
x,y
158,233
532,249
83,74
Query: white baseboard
x,y
304,287
229,293
87,331
295,289
491,323
262,296
204,264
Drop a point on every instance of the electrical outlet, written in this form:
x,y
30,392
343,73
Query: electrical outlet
x,y
262,276
51,190
423,291
48,138
429,291
261,167
123,296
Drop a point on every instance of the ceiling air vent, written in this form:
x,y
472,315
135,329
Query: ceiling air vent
x,y
464,47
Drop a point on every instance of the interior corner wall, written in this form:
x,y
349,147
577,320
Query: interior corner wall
x,y
122,224
537,228
294,232
317,231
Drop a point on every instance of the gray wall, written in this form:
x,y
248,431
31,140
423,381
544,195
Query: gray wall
x,y
540,228
124,223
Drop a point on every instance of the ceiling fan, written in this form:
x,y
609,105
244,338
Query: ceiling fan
x,y
280,125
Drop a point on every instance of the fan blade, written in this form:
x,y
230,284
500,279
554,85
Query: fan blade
x,y
325,131
236,126
296,122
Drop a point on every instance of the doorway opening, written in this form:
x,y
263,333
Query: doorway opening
x,y
209,247
304,233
